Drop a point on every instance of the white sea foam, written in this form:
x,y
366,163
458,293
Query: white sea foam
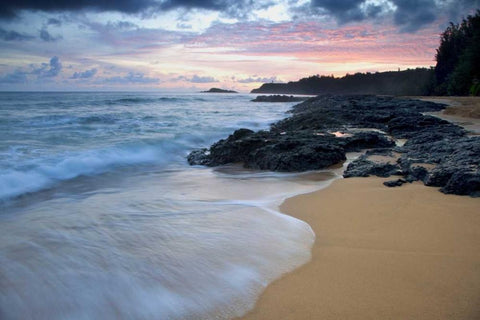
x,y
43,173
159,239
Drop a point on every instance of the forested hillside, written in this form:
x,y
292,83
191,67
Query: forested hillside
x,y
457,71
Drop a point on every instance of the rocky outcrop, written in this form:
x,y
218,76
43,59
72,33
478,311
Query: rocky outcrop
x,y
320,131
278,98
285,151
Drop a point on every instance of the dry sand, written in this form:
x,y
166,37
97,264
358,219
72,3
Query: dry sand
x,y
382,253
458,106
464,111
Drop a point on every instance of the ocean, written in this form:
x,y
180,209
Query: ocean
x,y
101,217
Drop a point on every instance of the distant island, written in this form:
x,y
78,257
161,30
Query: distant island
x,y
279,98
218,90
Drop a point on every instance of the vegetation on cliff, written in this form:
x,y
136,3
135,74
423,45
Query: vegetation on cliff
x,y
457,71
408,82
458,59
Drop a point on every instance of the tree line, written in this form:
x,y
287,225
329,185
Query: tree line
x,y
457,71
458,59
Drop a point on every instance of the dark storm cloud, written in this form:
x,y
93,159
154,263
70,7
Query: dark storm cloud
x,y
461,8
348,10
10,35
9,9
411,15
85,74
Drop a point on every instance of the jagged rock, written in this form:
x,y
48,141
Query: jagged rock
x,y
305,141
394,183
278,98
464,183
364,168
295,156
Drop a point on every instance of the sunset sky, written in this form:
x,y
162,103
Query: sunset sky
x,y
191,45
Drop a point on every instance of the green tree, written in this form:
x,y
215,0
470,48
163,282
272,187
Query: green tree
x,y
458,58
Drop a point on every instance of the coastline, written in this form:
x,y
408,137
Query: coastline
x,y
409,252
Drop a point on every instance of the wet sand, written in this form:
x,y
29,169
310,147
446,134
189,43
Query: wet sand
x,y
382,253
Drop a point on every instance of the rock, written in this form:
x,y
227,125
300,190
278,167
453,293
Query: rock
x,y
463,183
295,156
309,139
394,183
364,168
199,157
278,98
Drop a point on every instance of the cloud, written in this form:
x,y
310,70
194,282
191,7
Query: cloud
x,y
131,77
47,37
198,79
11,35
121,25
411,15
348,10
15,77
48,70
255,79
42,72
10,9
54,22
85,74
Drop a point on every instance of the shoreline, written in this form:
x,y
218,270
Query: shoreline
x,y
409,252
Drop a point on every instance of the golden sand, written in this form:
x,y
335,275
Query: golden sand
x,y
382,253
464,111
459,106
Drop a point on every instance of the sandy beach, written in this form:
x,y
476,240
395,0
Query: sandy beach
x,y
468,107
385,253
382,253
464,111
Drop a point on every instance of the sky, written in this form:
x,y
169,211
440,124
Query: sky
x,y
194,45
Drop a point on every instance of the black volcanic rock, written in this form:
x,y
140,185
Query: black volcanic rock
x,y
364,168
394,183
321,130
218,90
278,98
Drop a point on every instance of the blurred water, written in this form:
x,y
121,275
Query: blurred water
x,y
101,216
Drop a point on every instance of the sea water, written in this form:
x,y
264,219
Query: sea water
x,y
101,217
